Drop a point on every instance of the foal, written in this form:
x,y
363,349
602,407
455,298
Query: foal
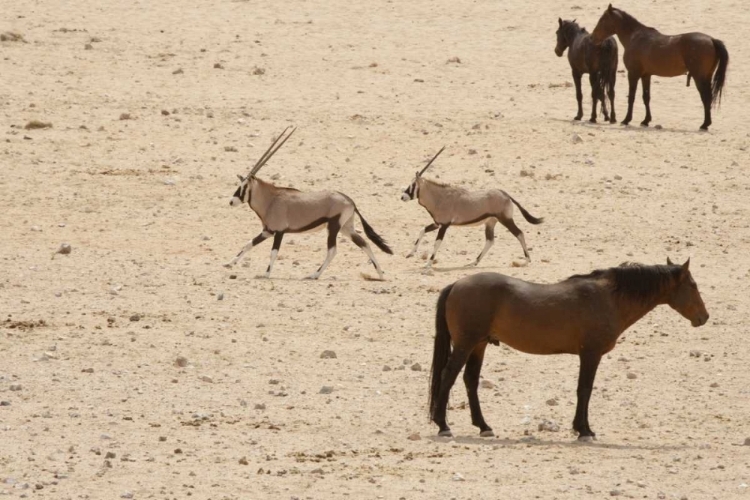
x,y
600,62
583,315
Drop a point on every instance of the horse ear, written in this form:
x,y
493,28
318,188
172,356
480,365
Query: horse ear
x,y
609,8
669,262
686,266
574,20
559,21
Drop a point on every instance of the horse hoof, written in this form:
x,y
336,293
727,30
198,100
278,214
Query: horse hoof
x,y
704,128
644,124
577,118
447,434
487,433
592,120
586,439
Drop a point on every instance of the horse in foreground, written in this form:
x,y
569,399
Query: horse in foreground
x,y
650,53
599,61
583,315
286,210
456,206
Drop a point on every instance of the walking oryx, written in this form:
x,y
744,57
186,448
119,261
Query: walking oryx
x,y
287,210
455,206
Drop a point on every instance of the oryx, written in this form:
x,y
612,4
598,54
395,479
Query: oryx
x,y
287,210
455,206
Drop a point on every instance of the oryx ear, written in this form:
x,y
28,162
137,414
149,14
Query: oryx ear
x,y
417,175
240,177
669,262
559,21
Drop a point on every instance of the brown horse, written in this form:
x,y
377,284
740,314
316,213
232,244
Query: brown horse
x,y
599,61
650,53
583,315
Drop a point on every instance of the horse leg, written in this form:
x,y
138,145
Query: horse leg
x,y
362,243
611,94
438,241
447,379
471,380
489,239
424,230
646,80
515,231
333,230
603,98
589,364
704,87
594,95
277,237
632,88
250,244
579,94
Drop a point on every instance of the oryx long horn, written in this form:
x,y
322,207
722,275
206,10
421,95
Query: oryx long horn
x,y
275,145
433,159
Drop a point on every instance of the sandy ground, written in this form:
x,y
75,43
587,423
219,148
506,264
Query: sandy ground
x,y
102,410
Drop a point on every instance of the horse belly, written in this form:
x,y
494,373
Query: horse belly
x,y
536,335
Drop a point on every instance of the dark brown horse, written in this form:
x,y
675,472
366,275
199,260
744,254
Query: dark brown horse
x,y
599,61
650,53
583,315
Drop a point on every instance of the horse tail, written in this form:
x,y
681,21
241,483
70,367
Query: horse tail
x,y
372,235
607,65
442,350
526,215
717,86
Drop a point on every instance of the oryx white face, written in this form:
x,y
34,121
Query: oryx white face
x,y
242,195
411,192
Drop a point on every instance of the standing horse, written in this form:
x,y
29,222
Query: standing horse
x,y
583,315
648,52
599,61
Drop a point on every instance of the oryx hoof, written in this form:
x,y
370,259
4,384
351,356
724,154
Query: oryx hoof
x,y
409,255
229,265
487,433
263,276
313,276
446,434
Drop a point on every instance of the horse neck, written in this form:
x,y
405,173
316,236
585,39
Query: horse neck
x,y
632,309
625,29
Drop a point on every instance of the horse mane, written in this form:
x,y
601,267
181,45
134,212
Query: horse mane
x,y
634,280
571,29
627,17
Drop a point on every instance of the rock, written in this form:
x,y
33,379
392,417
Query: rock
x,y
127,494
87,370
658,127
416,367
135,317
219,66
386,368
64,249
632,376
327,355
260,406
486,384
110,454
178,71
181,361
243,461
164,112
206,378
576,139
125,116
458,477
747,442
48,356
88,46
519,263
548,426
715,385
220,296
162,439
618,177
695,353
552,402
615,493
4,403
15,387
274,381
414,437
326,389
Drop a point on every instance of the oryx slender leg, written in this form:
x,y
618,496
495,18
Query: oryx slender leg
x,y
250,244
358,240
277,237
424,230
489,239
508,223
333,230
441,233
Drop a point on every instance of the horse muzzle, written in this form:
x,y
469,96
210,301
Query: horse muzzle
x,y
558,52
700,320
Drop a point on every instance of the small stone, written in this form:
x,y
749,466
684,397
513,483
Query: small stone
x,y
326,389
632,376
487,384
695,354
88,46
178,71
64,249
386,368
243,461
232,276
230,149
260,406
218,66
747,442
416,367
658,127
520,263
87,370
618,177
127,494
181,361
274,381
135,317
4,403
125,116
48,356
615,493
576,139
162,439
414,437
15,387
327,355
548,426
220,296
178,451
715,384
458,477
164,112
206,378
552,402
110,454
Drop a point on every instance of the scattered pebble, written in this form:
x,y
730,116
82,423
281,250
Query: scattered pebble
x,y
387,368
164,112
88,46
206,378
548,426
326,389
576,139
260,406
414,437
220,296
218,66
520,263
178,71
486,384
181,361
632,376
327,355
4,403
36,124
458,477
135,317
615,493
715,384
416,367
552,402
127,494
15,387
747,442
125,116
658,127
110,454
